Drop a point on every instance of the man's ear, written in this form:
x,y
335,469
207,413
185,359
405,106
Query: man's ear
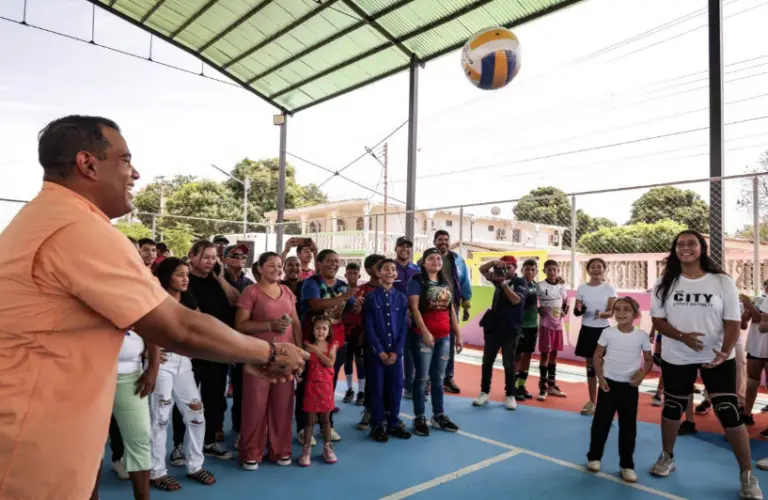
x,y
85,165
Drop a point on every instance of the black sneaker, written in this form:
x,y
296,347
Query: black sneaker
x,y
378,434
420,426
747,419
215,450
177,456
450,386
764,410
444,423
764,433
349,396
398,431
703,408
518,394
525,393
360,401
365,422
687,428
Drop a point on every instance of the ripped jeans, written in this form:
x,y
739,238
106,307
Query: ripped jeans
x,y
176,382
430,364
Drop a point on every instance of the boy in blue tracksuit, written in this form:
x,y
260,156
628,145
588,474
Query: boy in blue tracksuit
x,y
385,320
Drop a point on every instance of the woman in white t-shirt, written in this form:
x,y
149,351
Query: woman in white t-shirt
x,y
757,348
695,305
594,303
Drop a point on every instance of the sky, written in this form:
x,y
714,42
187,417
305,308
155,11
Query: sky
x,y
580,88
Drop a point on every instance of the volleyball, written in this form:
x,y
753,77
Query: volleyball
x,y
491,58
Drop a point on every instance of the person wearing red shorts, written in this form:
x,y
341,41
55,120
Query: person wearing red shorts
x,y
553,305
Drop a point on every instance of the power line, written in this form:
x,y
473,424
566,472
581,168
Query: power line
x,y
585,150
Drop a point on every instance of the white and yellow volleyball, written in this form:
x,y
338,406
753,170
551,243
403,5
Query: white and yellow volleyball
x,y
491,58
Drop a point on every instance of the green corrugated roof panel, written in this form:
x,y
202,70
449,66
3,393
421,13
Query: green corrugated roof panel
x,y
297,53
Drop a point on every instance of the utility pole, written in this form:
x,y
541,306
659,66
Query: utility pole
x,y
386,194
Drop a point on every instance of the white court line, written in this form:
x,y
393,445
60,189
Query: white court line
x,y
451,476
564,463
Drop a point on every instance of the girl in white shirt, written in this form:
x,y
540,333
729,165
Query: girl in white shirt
x,y
757,348
594,303
620,371
695,305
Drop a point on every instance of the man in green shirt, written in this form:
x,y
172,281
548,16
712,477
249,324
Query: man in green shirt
x,y
530,331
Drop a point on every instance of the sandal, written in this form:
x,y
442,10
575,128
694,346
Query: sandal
x,y
166,483
203,477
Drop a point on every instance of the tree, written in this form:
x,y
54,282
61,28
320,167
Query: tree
x,y
544,205
683,206
148,200
135,230
747,189
207,200
747,233
179,239
262,195
641,237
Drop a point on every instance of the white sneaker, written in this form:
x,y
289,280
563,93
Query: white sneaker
x,y
762,464
511,403
251,465
750,487
300,438
284,461
335,436
119,467
589,408
593,466
628,475
481,399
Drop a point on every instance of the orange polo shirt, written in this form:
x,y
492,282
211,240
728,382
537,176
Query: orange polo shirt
x,y
70,285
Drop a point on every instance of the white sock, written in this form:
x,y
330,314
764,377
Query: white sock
x,y
361,385
349,383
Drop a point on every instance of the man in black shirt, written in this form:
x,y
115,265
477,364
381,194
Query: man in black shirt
x,y
502,325
218,298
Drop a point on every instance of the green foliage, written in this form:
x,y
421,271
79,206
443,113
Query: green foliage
x,y
544,205
641,237
683,206
179,239
135,230
747,233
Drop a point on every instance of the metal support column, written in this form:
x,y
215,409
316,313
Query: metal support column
x,y
756,236
413,121
461,231
716,125
282,121
574,224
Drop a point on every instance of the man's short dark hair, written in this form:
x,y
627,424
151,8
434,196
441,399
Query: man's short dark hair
x,y
439,233
60,141
147,241
371,261
352,266
381,263
530,262
162,247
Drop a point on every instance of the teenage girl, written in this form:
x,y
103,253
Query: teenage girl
x,y
553,305
594,302
619,370
318,391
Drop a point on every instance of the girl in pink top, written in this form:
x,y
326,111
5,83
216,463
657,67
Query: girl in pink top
x,y
267,310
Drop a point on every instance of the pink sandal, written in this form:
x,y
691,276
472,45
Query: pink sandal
x,y
305,460
329,455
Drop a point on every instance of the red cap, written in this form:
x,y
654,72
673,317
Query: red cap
x,y
509,259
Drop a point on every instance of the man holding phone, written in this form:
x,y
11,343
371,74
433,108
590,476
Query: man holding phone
x,y
306,251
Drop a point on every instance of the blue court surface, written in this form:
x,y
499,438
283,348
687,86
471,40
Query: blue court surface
x,y
527,453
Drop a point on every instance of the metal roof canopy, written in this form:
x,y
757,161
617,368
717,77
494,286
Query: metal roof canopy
x,y
298,53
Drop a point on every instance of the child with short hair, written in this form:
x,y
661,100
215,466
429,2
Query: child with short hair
x,y
353,356
619,370
553,305
385,319
318,391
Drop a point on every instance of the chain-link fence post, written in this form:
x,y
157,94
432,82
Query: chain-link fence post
x,y
573,241
756,235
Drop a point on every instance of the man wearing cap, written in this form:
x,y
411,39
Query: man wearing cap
x,y
502,325
406,269
234,261
220,242
456,273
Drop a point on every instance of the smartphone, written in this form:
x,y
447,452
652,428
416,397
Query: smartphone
x,y
217,268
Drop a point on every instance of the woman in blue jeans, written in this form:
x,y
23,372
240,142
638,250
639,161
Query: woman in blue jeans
x,y
429,300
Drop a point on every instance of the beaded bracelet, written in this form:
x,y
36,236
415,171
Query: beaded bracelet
x,y
272,355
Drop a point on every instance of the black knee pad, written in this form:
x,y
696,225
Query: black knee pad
x,y
727,410
674,406
591,371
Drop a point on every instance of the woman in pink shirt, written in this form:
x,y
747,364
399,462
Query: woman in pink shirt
x,y
267,310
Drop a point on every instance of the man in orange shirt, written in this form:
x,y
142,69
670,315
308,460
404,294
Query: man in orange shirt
x,y
64,313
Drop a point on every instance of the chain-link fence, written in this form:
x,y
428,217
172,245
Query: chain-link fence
x,y
630,228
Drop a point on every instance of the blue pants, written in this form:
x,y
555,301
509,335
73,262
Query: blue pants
x,y
449,369
430,365
385,389
410,368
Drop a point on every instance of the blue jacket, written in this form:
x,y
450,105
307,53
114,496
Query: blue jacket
x,y
385,320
